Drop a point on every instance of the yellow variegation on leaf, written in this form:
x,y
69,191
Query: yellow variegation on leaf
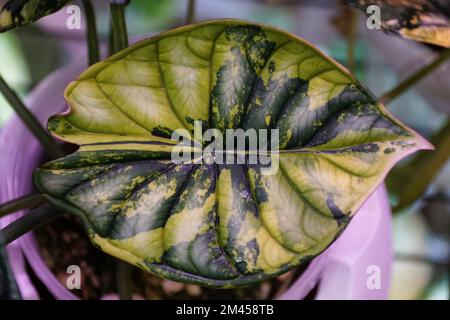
x,y
426,21
16,13
220,225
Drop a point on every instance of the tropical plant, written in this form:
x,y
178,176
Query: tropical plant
x,y
218,225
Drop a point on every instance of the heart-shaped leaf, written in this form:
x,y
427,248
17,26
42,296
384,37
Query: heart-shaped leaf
x,y
16,13
425,21
220,225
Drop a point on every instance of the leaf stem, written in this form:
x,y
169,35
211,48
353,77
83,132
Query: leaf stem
x,y
190,14
119,28
50,146
21,203
123,280
415,77
119,41
91,32
29,222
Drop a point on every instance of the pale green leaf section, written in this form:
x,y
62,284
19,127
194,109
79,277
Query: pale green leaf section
x,y
324,87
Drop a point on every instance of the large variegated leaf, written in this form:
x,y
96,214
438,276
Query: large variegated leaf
x,y
425,21
220,225
16,13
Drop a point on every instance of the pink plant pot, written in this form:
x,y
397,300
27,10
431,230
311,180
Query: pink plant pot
x,y
342,271
21,154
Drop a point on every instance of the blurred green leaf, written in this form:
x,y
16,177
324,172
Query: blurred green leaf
x,y
410,181
14,69
150,15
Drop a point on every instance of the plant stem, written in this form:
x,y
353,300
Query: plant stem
x,y
50,146
119,28
91,32
415,77
21,203
190,14
118,42
123,280
29,222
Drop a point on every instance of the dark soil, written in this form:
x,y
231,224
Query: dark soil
x,y
64,242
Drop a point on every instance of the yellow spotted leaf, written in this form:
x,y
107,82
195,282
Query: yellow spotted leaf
x,y
220,224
